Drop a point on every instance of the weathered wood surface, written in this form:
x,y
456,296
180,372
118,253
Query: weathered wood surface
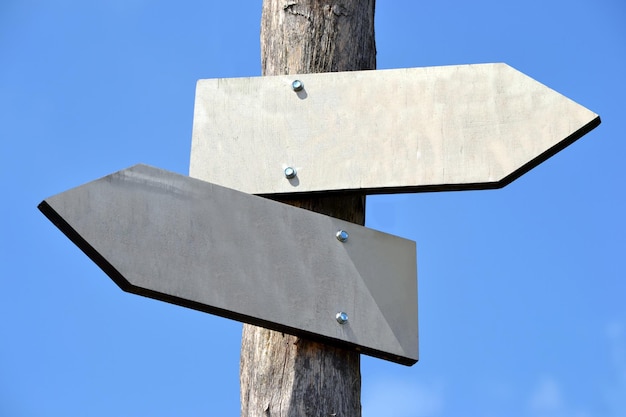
x,y
403,130
283,375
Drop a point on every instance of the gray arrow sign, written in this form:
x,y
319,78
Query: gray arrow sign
x,y
210,248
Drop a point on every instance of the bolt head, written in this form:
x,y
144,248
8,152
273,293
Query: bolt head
x,y
297,85
342,235
290,173
342,318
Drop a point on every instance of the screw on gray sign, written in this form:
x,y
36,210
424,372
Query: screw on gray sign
x,y
342,317
342,236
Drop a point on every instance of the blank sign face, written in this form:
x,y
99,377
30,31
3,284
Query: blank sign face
x,y
214,249
419,129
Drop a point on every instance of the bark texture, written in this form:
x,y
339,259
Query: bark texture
x,y
283,375
306,36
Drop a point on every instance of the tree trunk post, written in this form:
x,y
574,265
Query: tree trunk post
x,y
283,375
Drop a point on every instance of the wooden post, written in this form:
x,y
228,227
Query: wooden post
x,y
283,375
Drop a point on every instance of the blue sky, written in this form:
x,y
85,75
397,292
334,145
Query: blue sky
x,y
521,290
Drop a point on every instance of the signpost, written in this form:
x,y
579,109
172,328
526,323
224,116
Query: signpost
x,y
323,288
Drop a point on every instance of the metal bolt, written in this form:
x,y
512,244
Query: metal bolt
x,y
342,235
297,85
290,173
342,318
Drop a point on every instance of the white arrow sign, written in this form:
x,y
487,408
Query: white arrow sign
x,y
419,129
